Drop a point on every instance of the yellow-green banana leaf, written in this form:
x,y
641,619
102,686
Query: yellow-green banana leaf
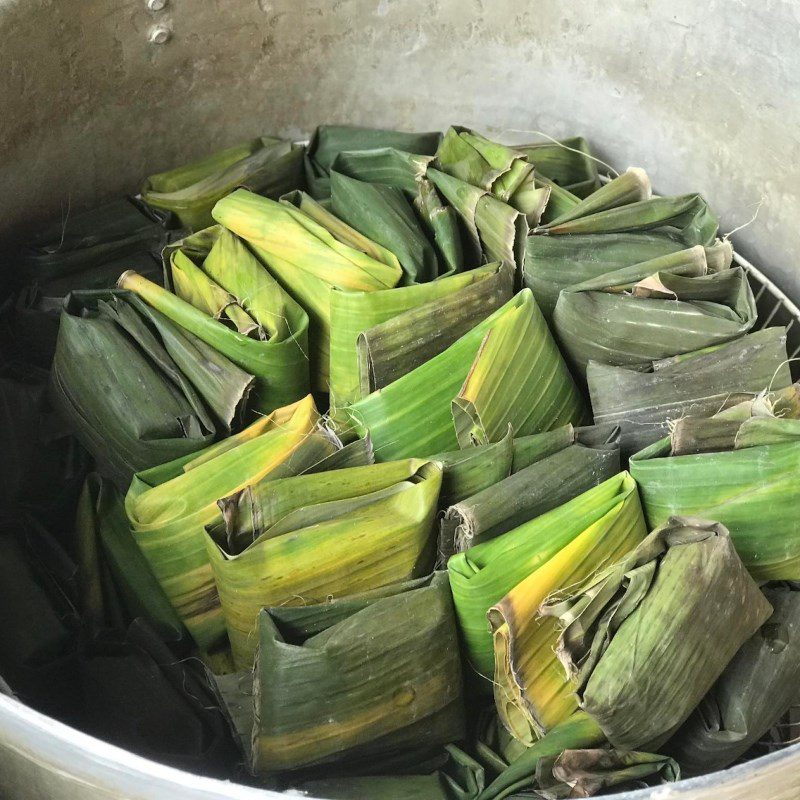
x,y
266,165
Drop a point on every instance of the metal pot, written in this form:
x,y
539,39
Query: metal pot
x,y
96,95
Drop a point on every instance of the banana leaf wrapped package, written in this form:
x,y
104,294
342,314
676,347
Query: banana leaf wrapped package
x,y
532,694
568,163
483,575
40,617
168,505
309,256
751,695
91,246
136,389
267,166
301,540
377,337
329,141
384,215
625,204
585,773
553,263
646,639
388,673
739,468
116,584
44,466
643,403
225,297
505,172
664,307
88,250
137,695
506,370
544,471
409,172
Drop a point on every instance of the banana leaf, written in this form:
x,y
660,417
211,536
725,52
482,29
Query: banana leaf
x,y
633,186
38,612
44,465
664,307
553,263
522,774
417,415
494,230
383,214
531,692
745,480
137,695
484,574
752,694
574,171
307,259
300,540
503,171
466,472
81,246
408,172
375,336
698,384
116,582
687,216
329,141
571,462
559,202
267,166
585,773
354,687
167,506
222,294
645,640
137,390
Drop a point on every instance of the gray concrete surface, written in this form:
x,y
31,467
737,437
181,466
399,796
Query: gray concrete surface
x,y
705,96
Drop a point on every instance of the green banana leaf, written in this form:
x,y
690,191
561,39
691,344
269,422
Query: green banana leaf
x,y
569,466
360,352
38,612
167,506
664,307
746,480
494,230
532,693
117,584
503,171
574,171
752,694
329,141
625,204
81,246
300,540
308,259
559,202
447,401
135,694
174,396
466,472
353,688
585,773
645,640
267,166
255,324
697,384
408,172
383,214
484,574
553,263
44,465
